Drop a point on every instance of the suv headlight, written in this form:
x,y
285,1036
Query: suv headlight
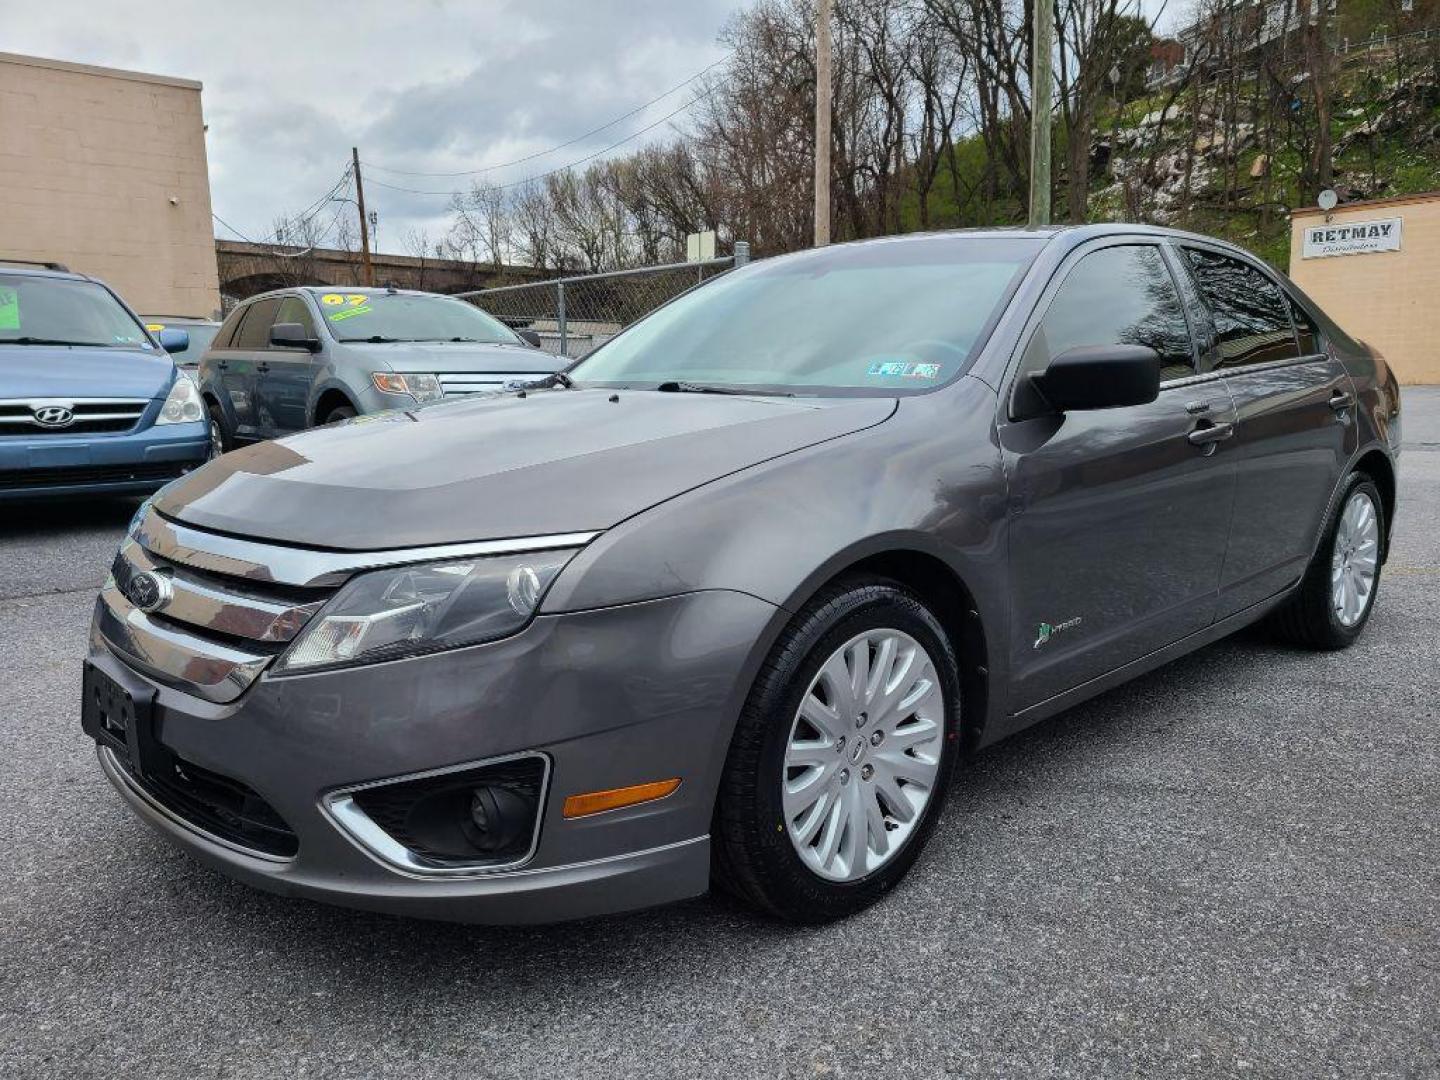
x,y
407,610
420,387
182,404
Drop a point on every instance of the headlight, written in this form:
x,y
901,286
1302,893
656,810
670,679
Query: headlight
x,y
388,614
420,387
182,404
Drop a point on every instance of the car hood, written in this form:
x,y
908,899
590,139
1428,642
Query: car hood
x,y
59,371
422,356
553,461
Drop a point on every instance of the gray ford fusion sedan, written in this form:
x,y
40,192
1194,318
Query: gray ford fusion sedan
x,y
728,600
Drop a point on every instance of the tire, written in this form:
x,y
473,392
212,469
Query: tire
x,y
757,844
340,412
220,439
1310,617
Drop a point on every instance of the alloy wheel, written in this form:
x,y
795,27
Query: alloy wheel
x,y
217,439
1354,559
863,754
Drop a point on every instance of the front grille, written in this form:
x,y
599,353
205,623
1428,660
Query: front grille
x,y
211,632
220,806
92,417
462,384
24,479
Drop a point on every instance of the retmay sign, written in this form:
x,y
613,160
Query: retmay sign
x,y
1352,238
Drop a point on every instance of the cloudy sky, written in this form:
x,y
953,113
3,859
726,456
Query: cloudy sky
x,y
423,86
418,85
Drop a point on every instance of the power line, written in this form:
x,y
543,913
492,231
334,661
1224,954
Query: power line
x,y
553,149
302,218
562,168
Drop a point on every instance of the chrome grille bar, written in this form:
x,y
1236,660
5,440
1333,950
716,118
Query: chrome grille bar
x,y
216,608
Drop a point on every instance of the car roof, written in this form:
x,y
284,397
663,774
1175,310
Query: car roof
x,y
193,320
53,270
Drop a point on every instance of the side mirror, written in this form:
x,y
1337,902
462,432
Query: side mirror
x,y
292,335
173,341
1100,377
531,338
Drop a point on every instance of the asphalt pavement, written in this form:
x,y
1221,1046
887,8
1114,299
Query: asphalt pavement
x,y
1230,867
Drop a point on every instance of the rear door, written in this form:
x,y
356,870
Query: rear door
x,y
1118,516
1295,430
283,387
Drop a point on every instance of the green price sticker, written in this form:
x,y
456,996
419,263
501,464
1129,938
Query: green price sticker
x,y
349,312
9,309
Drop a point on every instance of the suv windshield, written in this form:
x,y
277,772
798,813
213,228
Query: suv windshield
x,y
36,310
881,317
365,316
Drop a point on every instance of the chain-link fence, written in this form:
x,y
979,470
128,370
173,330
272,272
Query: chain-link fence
x,y
573,315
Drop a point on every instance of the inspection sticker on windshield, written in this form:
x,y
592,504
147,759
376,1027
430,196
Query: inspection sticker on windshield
x,y
901,369
9,309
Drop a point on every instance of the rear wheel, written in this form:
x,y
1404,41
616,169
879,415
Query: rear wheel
x,y
1332,604
842,756
220,442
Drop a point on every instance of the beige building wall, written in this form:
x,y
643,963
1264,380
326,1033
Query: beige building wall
x,y
105,171
1389,299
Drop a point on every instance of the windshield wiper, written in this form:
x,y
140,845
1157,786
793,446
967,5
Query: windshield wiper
x,y
54,341
376,339
679,387
559,378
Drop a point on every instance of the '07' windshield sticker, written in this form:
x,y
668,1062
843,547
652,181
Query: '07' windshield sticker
x,y
345,307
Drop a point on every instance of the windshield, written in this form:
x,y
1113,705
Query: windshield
x,y
883,317
409,317
38,310
201,335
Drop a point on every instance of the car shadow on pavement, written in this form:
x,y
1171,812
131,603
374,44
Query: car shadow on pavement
x,y
57,517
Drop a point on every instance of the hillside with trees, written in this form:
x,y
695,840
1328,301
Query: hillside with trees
x,y
1249,108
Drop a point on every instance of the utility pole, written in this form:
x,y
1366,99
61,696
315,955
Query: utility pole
x,y
823,93
1042,47
364,225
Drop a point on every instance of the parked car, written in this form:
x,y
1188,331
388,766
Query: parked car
x,y
287,360
88,402
728,601
202,333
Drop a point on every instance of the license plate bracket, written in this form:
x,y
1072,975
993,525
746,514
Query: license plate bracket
x,y
120,715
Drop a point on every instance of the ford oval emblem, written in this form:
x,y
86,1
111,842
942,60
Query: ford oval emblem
x,y
148,592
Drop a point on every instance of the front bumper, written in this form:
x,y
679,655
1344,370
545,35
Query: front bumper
x,y
611,697
129,463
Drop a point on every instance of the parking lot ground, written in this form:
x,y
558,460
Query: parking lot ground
x,y
1228,867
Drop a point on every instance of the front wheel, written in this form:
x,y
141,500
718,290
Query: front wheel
x,y
1332,603
841,757
340,412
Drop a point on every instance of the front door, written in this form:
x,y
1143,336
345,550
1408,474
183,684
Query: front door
x,y
1296,423
283,390
1119,517
239,367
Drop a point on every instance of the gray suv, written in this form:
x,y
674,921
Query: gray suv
x,y
288,360
728,599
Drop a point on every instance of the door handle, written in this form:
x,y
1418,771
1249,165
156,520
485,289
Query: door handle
x,y
1341,400
1197,408
1209,436
223,365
